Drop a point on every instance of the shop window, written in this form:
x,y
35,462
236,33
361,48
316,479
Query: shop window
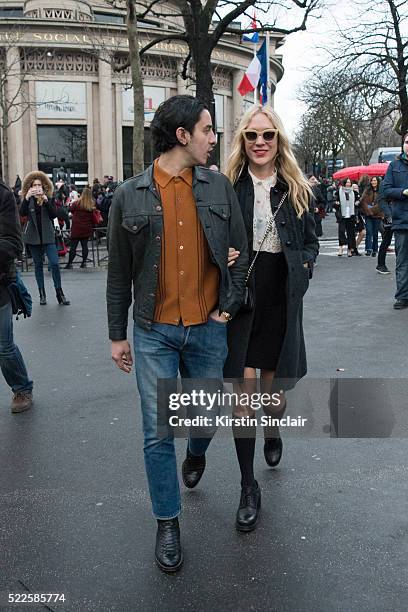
x,y
63,146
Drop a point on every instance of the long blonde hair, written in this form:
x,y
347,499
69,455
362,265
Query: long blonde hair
x,y
288,169
86,201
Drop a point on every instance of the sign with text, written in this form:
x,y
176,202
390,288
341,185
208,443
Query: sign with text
x,y
60,100
153,96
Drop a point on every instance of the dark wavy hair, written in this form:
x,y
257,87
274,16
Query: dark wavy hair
x,y
178,111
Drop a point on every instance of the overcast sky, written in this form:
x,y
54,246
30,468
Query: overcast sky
x,y
301,54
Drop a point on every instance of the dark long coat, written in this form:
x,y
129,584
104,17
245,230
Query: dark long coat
x,y
300,245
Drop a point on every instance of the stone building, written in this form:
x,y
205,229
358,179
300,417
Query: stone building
x,y
77,112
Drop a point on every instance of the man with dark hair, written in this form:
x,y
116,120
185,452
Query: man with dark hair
x,y
169,231
11,246
394,188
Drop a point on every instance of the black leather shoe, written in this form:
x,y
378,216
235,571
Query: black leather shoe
x,y
249,508
400,304
273,451
168,550
192,469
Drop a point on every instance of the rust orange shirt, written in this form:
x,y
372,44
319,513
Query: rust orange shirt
x,y
188,282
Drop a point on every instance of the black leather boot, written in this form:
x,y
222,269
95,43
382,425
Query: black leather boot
x,y
168,549
273,448
249,508
61,297
192,469
43,297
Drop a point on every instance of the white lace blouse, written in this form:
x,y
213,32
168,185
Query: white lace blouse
x,y
263,213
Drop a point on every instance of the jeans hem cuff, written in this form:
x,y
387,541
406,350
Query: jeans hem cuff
x,y
167,518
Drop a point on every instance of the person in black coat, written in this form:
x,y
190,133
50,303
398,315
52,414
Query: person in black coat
x,y
268,183
11,361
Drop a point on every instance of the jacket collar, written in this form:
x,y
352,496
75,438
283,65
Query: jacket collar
x,y
146,179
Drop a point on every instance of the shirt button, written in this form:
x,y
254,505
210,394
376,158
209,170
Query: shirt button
x,y
158,207
180,223
181,272
134,227
155,266
181,247
176,320
288,243
158,238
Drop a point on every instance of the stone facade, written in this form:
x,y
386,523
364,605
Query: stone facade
x,y
70,92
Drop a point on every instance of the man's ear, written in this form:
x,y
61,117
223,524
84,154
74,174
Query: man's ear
x,y
183,136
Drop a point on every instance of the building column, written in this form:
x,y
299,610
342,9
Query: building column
x,y
15,132
106,119
32,161
119,132
237,99
91,152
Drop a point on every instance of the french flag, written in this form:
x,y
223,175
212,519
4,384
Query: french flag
x,y
256,69
254,37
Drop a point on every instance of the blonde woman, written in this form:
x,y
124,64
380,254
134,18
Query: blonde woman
x,y
269,183
82,226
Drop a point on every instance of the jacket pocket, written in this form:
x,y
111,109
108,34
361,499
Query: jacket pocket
x,y
222,211
134,223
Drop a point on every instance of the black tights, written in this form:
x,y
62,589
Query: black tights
x,y
73,248
245,446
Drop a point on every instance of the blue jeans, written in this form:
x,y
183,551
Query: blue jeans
x,y
37,251
372,227
197,351
401,266
11,362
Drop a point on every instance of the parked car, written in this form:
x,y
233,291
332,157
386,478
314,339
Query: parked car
x,y
384,154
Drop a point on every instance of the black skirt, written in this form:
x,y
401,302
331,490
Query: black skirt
x,y
269,319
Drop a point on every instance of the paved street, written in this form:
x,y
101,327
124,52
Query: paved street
x,y
75,513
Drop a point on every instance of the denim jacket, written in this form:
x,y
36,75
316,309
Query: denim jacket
x,y
135,232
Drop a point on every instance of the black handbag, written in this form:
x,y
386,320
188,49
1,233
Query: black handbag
x,y
249,297
249,300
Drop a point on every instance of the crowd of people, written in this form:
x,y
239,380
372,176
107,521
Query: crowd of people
x,y
361,214
55,218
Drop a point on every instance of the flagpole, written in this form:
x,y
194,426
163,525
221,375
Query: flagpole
x,y
268,77
256,88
